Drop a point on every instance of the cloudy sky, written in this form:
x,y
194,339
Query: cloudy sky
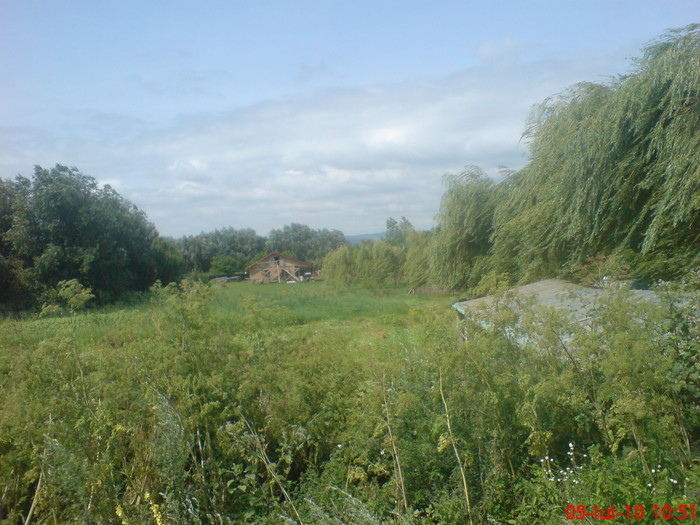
x,y
336,114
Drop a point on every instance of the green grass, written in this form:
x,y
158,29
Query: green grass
x,y
275,304
310,302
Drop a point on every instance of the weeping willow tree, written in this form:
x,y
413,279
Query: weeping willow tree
x,y
461,244
614,175
370,263
614,168
417,269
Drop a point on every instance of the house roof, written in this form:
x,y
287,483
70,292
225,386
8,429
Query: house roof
x,y
577,299
299,263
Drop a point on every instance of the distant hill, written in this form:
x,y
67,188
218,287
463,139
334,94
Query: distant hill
x,y
357,239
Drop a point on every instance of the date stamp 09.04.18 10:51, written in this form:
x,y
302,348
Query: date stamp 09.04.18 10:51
x,y
631,512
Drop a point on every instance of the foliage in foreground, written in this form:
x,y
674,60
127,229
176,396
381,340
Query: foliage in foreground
x,y
280,404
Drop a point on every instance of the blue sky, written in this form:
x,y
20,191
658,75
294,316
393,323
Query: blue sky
x,y
336,114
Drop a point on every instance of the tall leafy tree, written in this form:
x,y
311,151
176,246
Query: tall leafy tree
x,y
200,251
397,231
338,267
614,167
11,283
370,263
462,240
64,226
417,269
303,242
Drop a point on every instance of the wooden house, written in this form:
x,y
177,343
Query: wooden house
x,y
278,268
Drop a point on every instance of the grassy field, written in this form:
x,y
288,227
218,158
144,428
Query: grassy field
x,y
306,404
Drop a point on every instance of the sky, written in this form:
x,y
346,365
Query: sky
x,y
335,114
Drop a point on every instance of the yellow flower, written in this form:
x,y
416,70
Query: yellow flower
x,y
120,512
155,509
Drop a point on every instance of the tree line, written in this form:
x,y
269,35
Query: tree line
x,y
60,225
611,188
227,251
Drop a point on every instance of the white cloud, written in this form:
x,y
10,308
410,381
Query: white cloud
x,y
343,158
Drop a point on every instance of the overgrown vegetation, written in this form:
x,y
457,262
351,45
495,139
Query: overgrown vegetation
x,y
302,404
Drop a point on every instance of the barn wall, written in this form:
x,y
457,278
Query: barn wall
x,y
258,272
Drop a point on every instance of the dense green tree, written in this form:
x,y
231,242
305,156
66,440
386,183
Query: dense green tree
x,y
403,256
293,238
397,231
63,226
303,242
7,199
324,241
370,263
11,288
200,250
207,252
613,167
226,265
338,268
417,268
461,243
170,265
612,184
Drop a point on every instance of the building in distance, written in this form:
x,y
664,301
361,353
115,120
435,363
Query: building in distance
x,y
277,268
